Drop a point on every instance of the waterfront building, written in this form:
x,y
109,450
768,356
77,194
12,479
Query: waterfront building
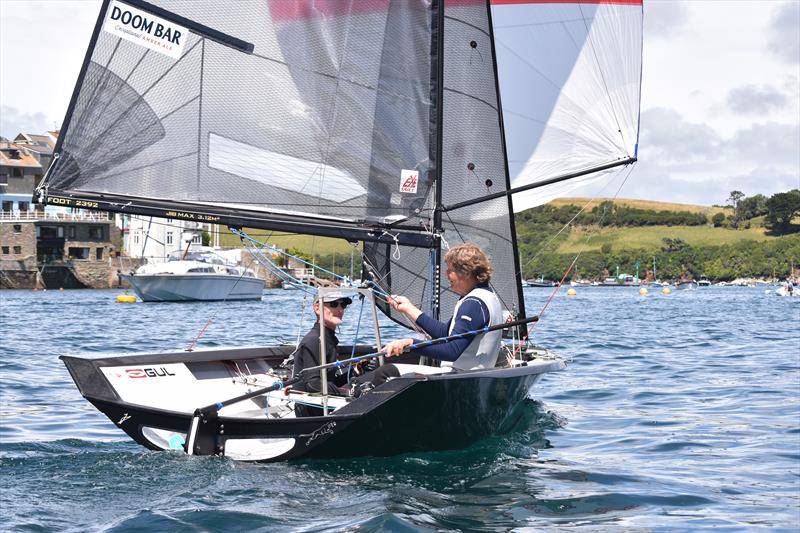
x,y
52,247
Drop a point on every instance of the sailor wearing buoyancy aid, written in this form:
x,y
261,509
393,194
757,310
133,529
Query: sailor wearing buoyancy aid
x,y
469,271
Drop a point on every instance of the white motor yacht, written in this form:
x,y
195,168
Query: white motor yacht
x,y
199,277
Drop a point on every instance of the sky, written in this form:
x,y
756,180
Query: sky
x,y
720,97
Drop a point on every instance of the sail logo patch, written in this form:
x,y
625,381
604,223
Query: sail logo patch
x,y
409,179
145,29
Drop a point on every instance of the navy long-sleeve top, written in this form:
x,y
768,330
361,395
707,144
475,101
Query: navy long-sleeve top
x,y
473,314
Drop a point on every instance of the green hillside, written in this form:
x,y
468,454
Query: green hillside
x,y
716,242
308,244
653,236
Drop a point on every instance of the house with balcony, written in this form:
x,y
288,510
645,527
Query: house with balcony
x,y
52,247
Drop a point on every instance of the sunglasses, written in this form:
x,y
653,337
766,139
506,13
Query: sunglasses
x,y
334,305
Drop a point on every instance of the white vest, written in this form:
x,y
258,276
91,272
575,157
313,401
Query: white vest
x,y
483,350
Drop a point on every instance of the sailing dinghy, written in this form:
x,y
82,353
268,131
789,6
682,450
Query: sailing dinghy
x,y
375,121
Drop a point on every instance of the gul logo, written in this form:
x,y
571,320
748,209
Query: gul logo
x,y
409,179
148,372
145,29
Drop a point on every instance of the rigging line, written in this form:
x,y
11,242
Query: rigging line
x,y
575,260
275,269
355,340
242,234
602,77
529,65
548,23
383,294
567,225
216,311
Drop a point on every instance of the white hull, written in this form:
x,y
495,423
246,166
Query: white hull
x,y
784,291
195,287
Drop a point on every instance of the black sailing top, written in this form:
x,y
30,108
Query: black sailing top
x,y
307,355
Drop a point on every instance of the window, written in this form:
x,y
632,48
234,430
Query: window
x,y
6,250
24,206
8,206
78,252
17,250
197,239
136,237
16,172
169,237
96,233
71,232
3,179
17,228
99,254
50,232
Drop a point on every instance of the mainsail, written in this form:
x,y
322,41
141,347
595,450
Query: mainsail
x,y
372,120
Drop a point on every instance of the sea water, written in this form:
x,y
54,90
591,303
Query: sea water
x,y
678,412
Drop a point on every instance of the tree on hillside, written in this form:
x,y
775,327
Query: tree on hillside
x,y
734,199
782,207
718,219
753,206
674,245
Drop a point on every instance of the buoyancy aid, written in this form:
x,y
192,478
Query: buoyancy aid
x,y
483,350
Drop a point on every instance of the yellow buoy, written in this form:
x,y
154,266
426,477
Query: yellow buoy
x,y
572,292
642,291
126,299
665,290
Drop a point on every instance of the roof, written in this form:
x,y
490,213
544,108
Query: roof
x,y
35,140
24,159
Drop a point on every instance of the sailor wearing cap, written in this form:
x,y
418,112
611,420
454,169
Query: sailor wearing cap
x,y
307,354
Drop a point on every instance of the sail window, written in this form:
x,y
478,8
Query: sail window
x,y
281,170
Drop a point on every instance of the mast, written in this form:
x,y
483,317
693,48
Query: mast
x,y
512,224
437,82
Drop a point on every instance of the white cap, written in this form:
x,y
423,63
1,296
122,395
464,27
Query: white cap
x,y
334,296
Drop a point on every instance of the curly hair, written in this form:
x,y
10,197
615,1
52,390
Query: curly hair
x,y
468,259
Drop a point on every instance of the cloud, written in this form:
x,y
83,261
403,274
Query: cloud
x,y
665,19
784,33
688,162
13,122
666,133
769,143
751,99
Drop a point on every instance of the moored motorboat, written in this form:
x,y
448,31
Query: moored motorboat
x,y
194,281
540,282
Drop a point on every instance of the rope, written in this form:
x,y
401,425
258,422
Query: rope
x,y
569,269
275,269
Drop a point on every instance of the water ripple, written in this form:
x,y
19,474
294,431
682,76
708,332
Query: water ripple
x,y
676,413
